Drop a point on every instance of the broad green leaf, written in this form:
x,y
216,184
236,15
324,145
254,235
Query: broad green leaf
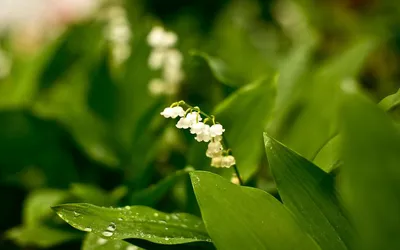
x,y
245,218
40,236
244,115
36,206
154,193
370,174
94,242
390,102
310,194
137,222
219,69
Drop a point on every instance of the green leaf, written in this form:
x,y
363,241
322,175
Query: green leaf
x,y
244,115
40,236
313,120
94,242
310,194
245,218
154,193
328,157
370,174
36,206
390,102
134,222
219,69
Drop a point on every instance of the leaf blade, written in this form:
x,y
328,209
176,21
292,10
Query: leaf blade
x,y
310,194
232,216
134,222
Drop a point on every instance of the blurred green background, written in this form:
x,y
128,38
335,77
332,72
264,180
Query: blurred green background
x,y
78,125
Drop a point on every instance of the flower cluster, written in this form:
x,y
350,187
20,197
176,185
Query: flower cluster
x,y
118,33
191,119
166,58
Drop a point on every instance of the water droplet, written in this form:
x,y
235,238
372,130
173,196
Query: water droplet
x,y
101,241
127,207
183,225
156,214
132,247
76,214
166,238
120,219
107,233
162,222
112,227
88,229
175,217
167,217
166,228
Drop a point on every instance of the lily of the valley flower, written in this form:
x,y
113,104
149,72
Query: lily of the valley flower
x,y
191,119
173,112
165,58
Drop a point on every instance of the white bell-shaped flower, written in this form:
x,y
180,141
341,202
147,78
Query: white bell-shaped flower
x,y
197,128
189,120
216,130
214,149
173,112
183,123
216,161
228,161
204,135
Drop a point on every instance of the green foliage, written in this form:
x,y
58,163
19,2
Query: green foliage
x,y
310,194
253,104
137,222
81,128
239,217
370,172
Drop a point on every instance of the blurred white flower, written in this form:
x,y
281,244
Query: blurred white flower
x,y
156,59
160,38
166,58
118,33
157,86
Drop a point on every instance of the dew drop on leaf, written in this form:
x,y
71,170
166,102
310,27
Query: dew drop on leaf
x,y
107,233
112,227
88,229
101,241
